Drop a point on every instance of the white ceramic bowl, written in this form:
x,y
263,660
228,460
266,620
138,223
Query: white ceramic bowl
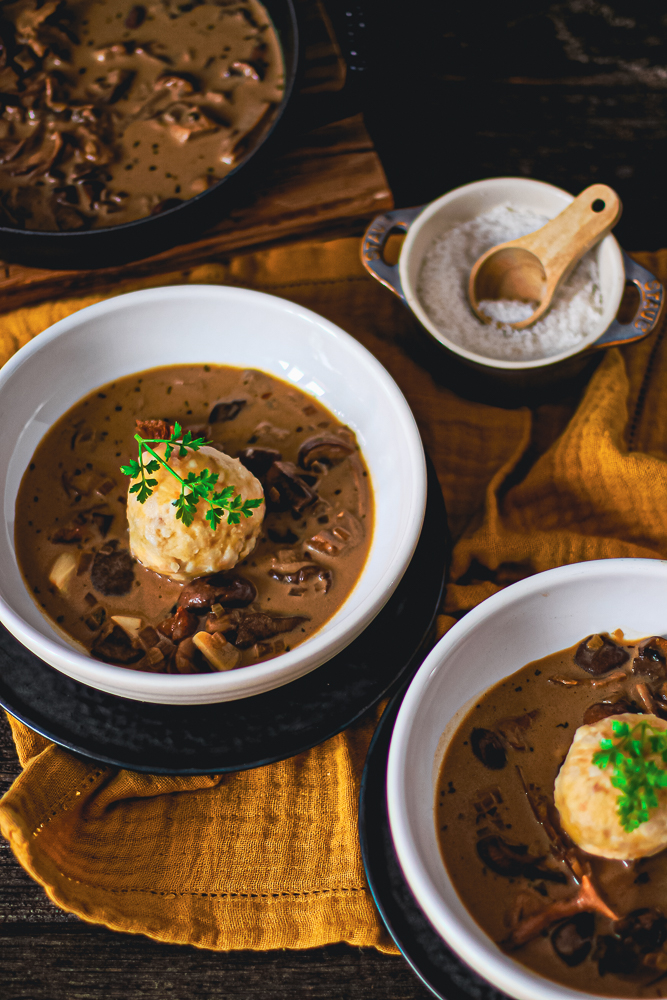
x,y
464,204
537,616
428,223
247,329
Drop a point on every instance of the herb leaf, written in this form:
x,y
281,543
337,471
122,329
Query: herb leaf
x,y
196,487
634,775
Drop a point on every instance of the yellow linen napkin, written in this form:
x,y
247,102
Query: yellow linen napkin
x,y
269,858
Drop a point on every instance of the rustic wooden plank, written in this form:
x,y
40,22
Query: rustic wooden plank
x,y
330,182
98,964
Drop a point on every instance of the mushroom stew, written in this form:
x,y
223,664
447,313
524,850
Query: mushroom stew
x,y
542,899
112,111
71,530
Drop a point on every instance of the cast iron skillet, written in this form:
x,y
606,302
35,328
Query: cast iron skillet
x,y
144,237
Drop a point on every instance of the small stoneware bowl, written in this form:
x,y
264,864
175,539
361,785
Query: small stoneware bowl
x,y
201,324
428,223
537,616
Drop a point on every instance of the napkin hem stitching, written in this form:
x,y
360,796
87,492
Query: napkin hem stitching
x,y
225,895
60,806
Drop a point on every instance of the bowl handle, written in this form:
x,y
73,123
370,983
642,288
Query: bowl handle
x,y
375,238
651,302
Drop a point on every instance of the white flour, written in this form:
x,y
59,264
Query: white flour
x,y
443,290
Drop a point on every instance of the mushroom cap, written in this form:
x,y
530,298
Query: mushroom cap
x,y
162,543
588,802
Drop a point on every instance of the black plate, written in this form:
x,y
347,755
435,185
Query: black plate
x,y
236,735
434,962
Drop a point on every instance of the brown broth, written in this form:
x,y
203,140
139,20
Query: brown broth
x,y
89,443
474,802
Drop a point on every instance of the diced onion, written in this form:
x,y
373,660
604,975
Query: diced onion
x,y
131,625
62,570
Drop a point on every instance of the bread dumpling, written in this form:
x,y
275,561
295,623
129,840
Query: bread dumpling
x,y
162,543
588,802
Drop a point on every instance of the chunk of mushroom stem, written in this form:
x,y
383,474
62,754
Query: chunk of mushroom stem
x,y
222,655
586,900
617,675
646,698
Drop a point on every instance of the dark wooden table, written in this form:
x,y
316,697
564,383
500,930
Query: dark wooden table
x,y
568,92
571,92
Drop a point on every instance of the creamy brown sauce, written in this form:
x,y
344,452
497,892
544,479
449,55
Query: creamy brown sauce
x,y
112,111
533,717
304,564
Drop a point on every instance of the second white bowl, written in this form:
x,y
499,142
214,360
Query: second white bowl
x,y
545,613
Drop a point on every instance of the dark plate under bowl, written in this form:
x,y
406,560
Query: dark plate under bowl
x,y
93,248
250,732
431,959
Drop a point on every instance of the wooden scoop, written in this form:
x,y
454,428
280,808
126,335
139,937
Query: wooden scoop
x,y
531,268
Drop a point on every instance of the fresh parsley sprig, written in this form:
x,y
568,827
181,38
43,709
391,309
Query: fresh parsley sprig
x,y
194,488
635,776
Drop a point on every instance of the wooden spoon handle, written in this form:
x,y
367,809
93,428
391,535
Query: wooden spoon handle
x,y
561,243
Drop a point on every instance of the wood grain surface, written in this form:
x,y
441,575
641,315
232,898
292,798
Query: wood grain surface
x,y
567,91
328,182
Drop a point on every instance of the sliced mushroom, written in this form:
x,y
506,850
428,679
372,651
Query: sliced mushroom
x,y
226,623
117,647
323,448
637,938
487,747
184,121
259,460
257,627
186,658
286,490
615,956
112,572
95,620
646,698
514,861
605,709
572,939
180,625
512,729
75,530
598,654
219,653
222,412
152,429
650,662
111,87
231,591
646,928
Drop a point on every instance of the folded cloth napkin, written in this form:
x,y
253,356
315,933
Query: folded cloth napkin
x,y
269,858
